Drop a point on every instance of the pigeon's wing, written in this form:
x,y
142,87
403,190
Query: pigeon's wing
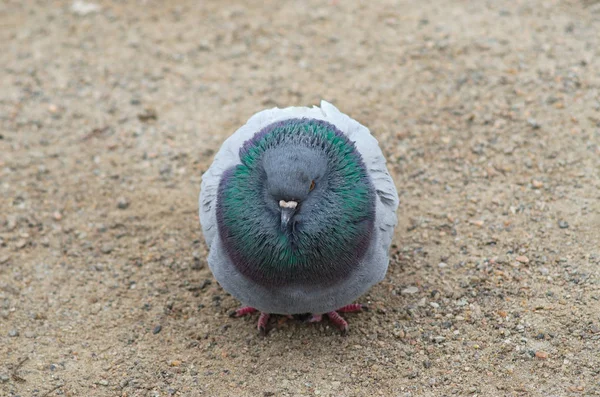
x,y
367,145
228,156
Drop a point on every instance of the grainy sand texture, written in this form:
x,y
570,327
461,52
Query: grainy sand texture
x,y
487,111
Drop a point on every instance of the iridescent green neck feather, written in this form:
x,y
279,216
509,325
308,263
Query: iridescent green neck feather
x,y
312,162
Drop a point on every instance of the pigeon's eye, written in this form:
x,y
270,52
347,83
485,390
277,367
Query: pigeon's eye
x,y
312,186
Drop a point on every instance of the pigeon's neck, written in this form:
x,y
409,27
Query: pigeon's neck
x,y
334,225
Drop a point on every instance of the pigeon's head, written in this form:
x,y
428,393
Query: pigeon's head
x,y
292,174
299,208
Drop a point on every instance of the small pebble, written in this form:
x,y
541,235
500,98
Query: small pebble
x,y
563,224
107,248
103,382
11,224
534,124
4,377
410,290
442,265
462,302
478,223
21,243
537,184
541,355
57,216
13,333
522,259
147,115
156,329
83,8
439,339
165,169
122,203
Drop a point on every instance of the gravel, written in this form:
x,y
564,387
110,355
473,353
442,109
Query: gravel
x,y
110,115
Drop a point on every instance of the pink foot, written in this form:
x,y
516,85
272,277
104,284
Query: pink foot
x,y
242,311
263,319
339,322
336,319
334,316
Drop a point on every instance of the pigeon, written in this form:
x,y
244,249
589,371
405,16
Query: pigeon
x,y
298,211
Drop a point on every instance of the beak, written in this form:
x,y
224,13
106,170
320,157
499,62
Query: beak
x,y
288,209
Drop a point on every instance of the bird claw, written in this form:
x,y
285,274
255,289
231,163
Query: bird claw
x,y
353,308
336,319
339,322
263,319
334,316
242,311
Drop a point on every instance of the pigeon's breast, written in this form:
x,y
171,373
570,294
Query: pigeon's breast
x,y
335,229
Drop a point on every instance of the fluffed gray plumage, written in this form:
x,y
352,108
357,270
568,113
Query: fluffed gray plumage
x,y
289,292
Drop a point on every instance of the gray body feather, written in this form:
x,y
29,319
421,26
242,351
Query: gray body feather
x,y
302,299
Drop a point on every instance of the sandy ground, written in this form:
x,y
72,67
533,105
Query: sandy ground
x,y
489,114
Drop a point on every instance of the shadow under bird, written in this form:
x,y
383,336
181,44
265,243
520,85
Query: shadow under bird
x,y
298,211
